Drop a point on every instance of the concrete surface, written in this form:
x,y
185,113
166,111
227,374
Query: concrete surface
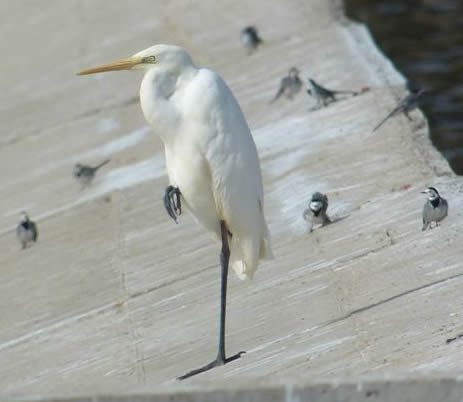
x,y
116,298
386,390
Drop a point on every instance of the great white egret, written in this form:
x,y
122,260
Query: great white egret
x,y
211,159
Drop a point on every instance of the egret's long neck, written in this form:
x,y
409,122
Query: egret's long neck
x,y
157,99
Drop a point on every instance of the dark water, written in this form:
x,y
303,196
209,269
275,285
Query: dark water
x,y
424,39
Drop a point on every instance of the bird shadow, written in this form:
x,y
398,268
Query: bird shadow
x,y
339,219
331,102
339,98
333,220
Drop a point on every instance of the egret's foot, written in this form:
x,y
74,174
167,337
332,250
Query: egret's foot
x,y
216,363
172,202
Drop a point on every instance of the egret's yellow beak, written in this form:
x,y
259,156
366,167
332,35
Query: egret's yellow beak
x,y
124,64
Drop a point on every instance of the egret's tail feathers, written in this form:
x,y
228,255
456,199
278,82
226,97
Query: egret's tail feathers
x,y
266,252
243,258
245,255
240,270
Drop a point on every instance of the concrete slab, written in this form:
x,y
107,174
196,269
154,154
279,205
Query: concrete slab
x,y
426,389
115,297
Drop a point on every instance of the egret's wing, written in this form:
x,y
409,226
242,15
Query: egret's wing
x,y
231,155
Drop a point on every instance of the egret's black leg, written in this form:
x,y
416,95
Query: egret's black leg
x,y
172,202
220,359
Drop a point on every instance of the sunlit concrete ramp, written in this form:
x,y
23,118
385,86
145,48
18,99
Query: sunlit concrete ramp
x,y
115,298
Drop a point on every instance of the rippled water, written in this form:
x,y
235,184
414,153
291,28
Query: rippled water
x,y
424,38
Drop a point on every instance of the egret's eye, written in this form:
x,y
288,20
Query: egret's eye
x,y
149,60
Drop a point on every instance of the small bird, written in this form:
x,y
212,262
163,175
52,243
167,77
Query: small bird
x,y
289,85
250,39
211,159
26,230
85,174
406,105
435,209
316,212
324,95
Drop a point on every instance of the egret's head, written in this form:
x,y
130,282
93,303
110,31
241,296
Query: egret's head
x,y
432,193
166,57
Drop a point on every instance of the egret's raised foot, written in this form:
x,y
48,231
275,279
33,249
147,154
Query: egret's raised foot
x,y
172,202
216,363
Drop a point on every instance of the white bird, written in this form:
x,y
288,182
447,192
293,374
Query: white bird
x,y
211,159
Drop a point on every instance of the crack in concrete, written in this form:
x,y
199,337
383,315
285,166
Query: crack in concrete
x,y
116,305
92,112
169,283
59,324
391,298
89,113
122,256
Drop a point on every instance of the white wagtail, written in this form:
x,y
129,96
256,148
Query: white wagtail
x,y
324,95
289,85
84,174
406,105
26,230
435,209
250,39
316,212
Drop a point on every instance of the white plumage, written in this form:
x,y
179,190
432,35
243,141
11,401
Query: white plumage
x,y
210,153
